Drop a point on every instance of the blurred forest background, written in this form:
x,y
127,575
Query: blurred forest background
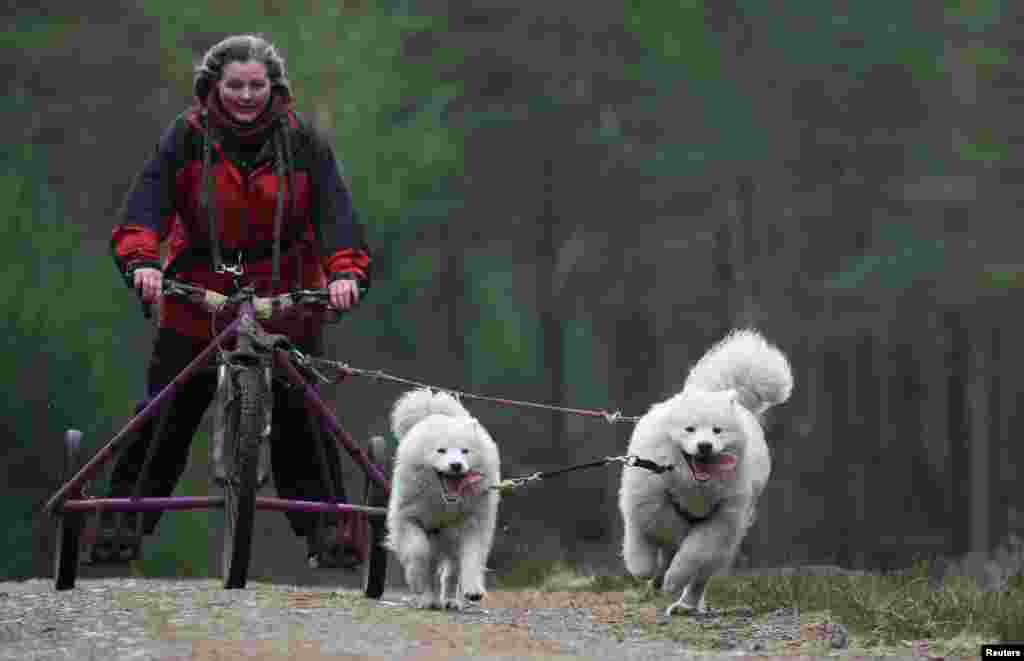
x,y
569,202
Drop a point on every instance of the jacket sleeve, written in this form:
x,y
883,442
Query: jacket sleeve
x,y
342,236
148,208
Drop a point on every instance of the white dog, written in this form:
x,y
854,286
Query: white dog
x,y
442,510
685,524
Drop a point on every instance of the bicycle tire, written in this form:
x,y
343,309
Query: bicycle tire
x,y
69,524
377,554
245,435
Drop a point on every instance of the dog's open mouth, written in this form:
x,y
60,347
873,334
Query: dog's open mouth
x,y
455,486
704,467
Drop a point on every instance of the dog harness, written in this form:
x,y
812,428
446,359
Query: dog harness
x,y
690,517
446,522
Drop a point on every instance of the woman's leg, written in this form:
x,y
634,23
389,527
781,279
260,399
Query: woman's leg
x,y
296,447
171,353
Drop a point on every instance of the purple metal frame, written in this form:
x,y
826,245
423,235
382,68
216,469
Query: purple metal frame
x,y
181,503
68,497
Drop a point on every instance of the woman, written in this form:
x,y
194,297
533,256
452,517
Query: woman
x,y
232,176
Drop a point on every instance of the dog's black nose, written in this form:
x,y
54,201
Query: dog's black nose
x,y
455,467
704,448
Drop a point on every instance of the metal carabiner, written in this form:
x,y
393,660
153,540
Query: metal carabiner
x,y
235,269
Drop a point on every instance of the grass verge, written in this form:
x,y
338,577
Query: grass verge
x,y
919,611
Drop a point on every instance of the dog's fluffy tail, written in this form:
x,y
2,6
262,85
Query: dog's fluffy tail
x,y
745,362
416,405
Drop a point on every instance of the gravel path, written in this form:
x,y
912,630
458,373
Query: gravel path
x,y
177,620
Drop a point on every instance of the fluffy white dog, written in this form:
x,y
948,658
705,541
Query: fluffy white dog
x,y
683,525
442,511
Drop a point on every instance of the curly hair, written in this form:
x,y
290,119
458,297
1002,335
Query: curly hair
x,y
241,48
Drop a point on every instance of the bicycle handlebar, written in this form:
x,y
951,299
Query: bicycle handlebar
x,y
263,307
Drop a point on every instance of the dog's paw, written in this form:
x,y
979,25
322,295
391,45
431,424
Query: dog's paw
x,y
427,602
454,604
681,607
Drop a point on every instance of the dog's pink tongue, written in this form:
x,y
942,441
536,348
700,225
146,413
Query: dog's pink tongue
x,y
464,485
722,465
469,482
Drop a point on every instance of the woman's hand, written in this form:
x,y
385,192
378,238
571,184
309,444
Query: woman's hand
x,y
343,294
149,283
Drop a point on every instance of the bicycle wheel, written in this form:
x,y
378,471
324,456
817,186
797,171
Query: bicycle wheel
x,y
69,524
248,423
377,556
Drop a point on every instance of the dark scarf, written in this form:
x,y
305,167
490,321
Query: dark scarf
x,y
245,133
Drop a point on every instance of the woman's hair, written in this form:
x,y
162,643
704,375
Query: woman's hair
x,y
246,48
241,48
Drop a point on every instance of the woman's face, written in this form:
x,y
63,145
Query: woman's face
x,y
244,89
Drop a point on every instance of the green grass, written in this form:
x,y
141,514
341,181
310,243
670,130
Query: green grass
x,y
533,573
883,612
887,609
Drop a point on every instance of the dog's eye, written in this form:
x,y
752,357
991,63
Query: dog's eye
x,y
691,429
465,451
441,450
717,430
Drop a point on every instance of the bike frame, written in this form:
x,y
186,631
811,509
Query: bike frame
x,y
70,497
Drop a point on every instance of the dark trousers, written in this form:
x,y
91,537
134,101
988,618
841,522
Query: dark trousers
x,y
295,462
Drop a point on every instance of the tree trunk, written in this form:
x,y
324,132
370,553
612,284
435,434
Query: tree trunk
x,y
552,337
451,294
859,415
979,441
741,246
959,434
